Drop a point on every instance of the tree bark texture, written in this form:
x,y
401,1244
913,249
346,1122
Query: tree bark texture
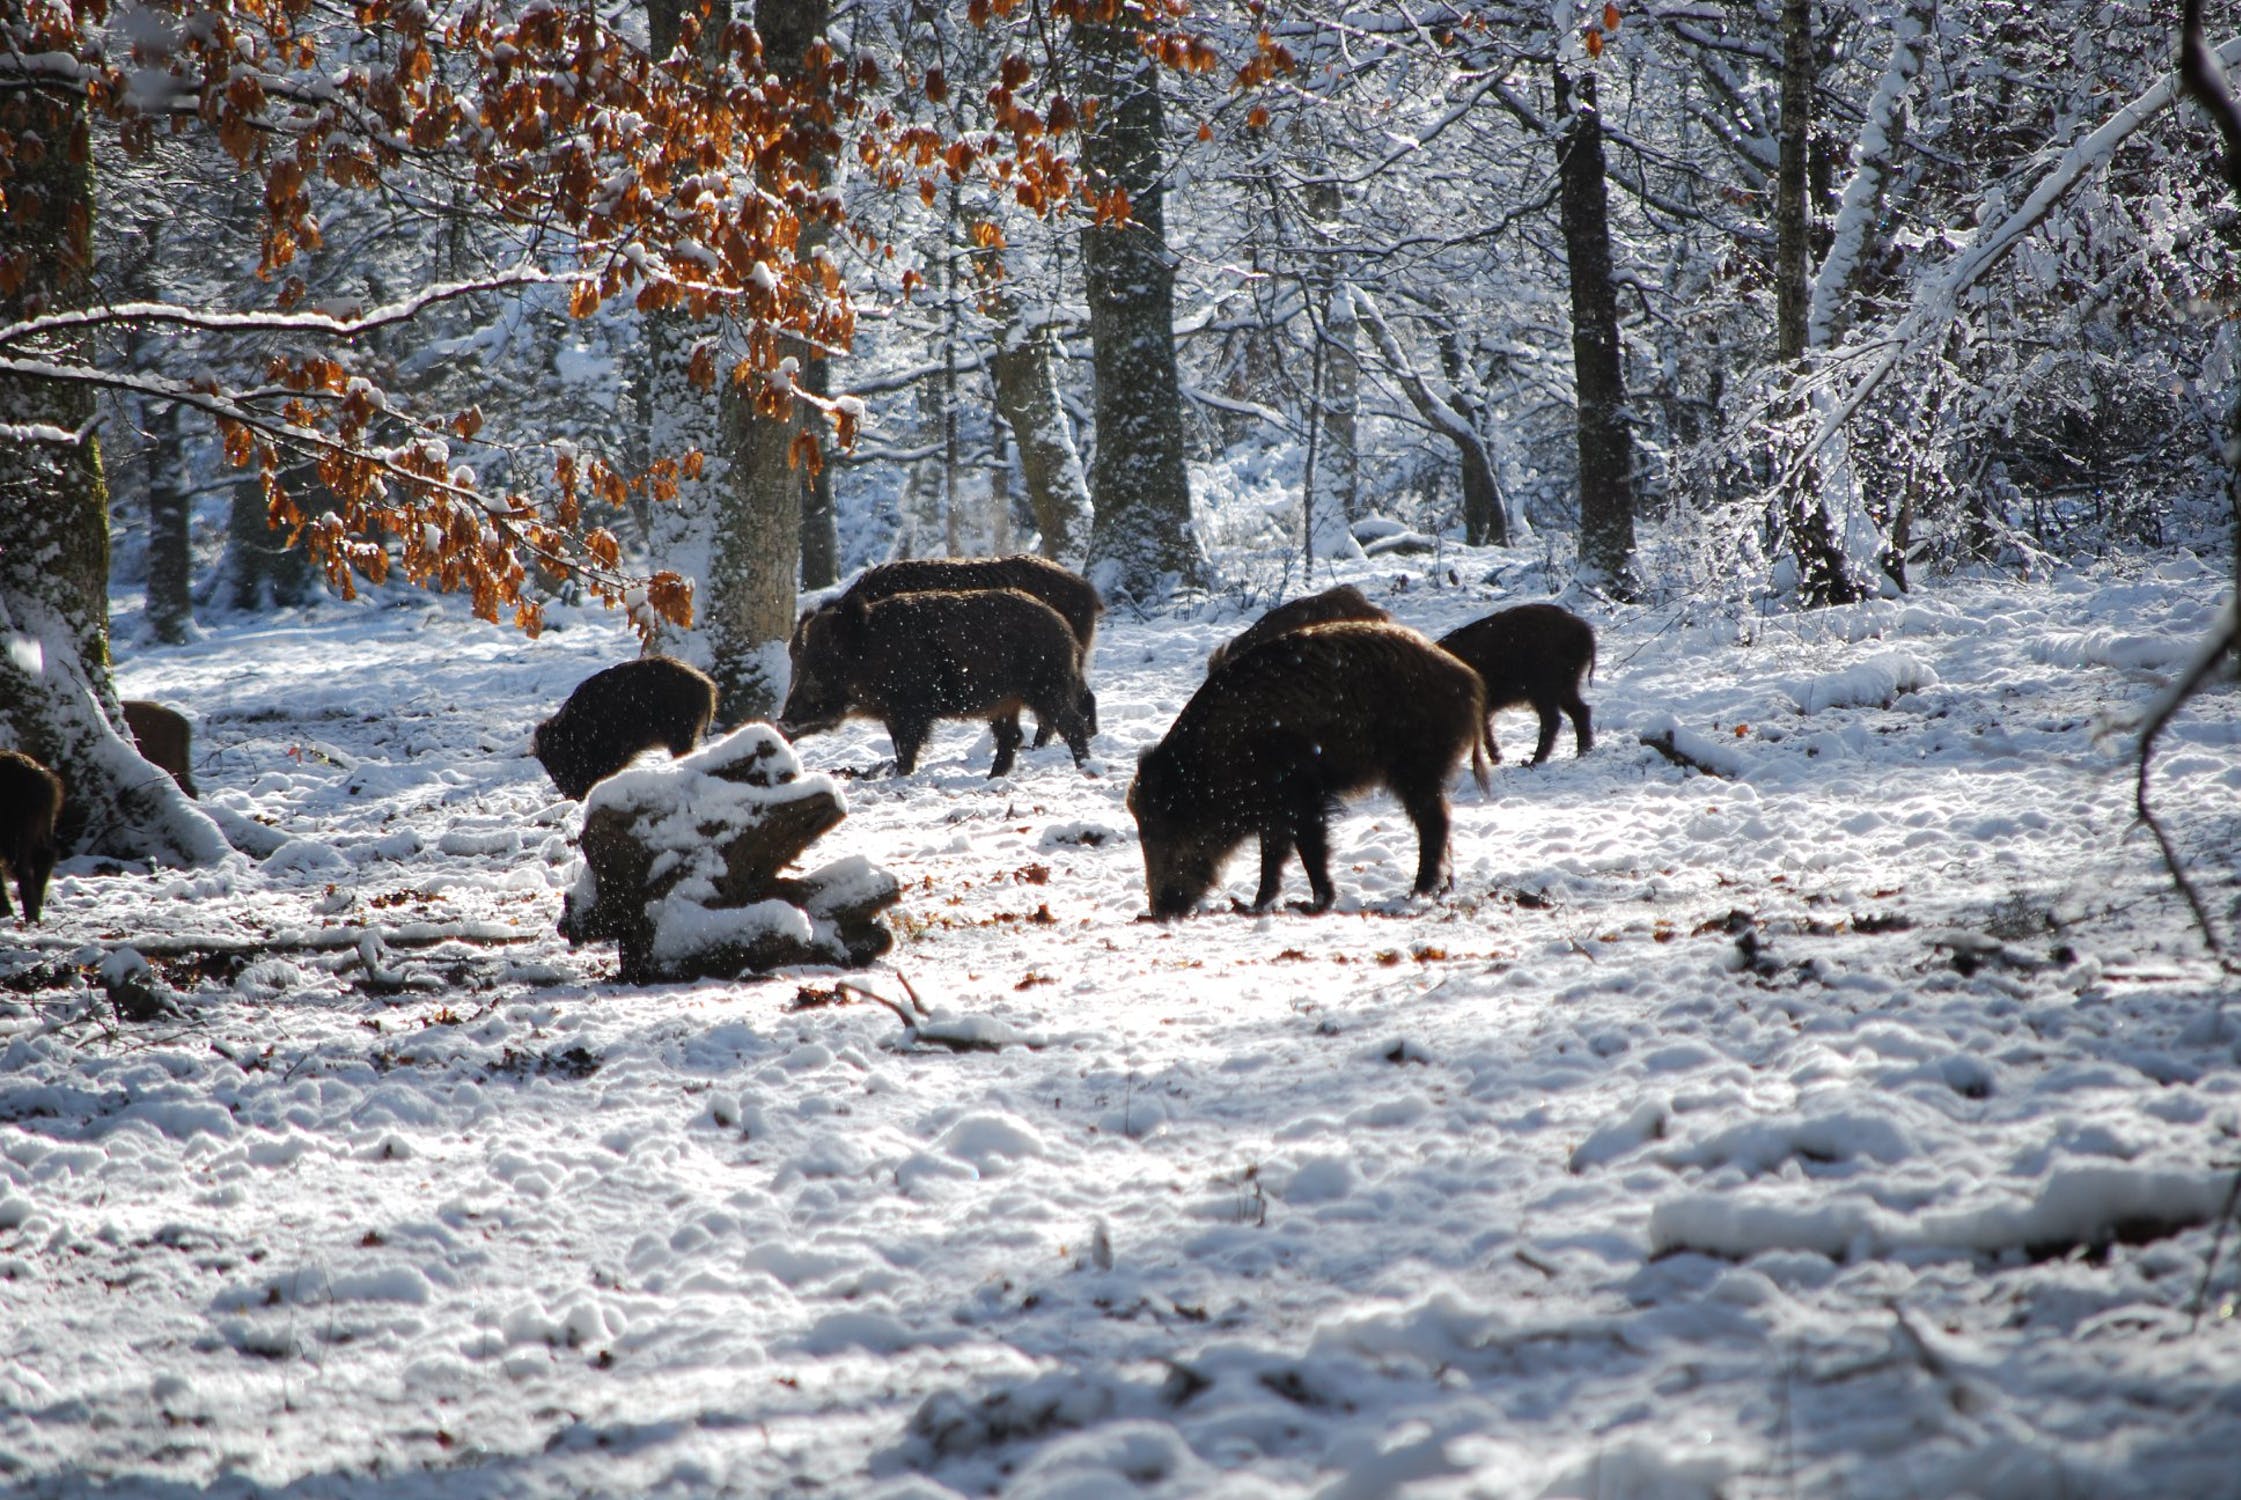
x,y
1335,497
1605,431
1792,221
820,534
170,507
1488,523
1141,540
752,577
1825,575
1049,463
57,703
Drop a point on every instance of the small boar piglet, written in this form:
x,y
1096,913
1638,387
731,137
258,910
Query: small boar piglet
x,y
1074,597
165,740
1344,602
617,714
30,798
1276,737
1535,654
911,660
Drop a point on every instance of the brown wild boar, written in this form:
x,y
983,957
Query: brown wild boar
x,y
616,714
1275,737
1345,602
911,659
165,740
1073,596
1536,654
30,797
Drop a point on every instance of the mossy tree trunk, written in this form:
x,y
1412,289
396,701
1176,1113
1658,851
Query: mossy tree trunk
x,y
57,703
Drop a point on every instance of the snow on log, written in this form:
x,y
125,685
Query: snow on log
x,y
1685,747
1873,683
681,862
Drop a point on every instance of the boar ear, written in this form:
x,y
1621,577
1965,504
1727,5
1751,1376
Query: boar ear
x,y
853,610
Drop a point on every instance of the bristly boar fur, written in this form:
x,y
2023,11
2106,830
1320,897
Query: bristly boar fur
x,y
911,659
30,798
1344,602
1536,654
1280,733
1074,597
617,714
166,742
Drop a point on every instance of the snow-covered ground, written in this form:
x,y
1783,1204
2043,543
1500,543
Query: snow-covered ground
x,y
1851,1125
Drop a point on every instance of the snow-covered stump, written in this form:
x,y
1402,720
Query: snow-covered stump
x,y
681,862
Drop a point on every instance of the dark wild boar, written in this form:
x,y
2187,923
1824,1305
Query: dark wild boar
x,y
1537,654
1344,602
617,714
30,797
1274,738
912,659
1073,596
164,738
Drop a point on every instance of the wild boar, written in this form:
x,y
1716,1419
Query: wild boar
x,y
1537,654
617,714
1345,602
30,797
1073,596
1277,735
166,742
909,660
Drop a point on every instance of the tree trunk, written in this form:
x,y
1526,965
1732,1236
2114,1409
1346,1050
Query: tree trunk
x,y
1333,488
1605,431
1027,396
57,703
999,489
678,418
1141,541
749,603
820,536
170,506
1489,523
1815,538
1486,519
1792,219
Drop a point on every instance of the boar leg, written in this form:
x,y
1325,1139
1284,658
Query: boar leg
x,y
1070,723
1583,730
5,909
1493,751
1551,721
1428,811
1276,847
1314,836
909,736
1008,736
32,889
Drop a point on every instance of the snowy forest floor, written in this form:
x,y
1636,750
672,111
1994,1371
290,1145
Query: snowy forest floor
x,y
1852,1125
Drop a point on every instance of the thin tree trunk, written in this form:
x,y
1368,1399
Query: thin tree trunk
x,y
1141,539
820,537
170,506
946,267
1605,431
999,489
1332,489
1792,253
